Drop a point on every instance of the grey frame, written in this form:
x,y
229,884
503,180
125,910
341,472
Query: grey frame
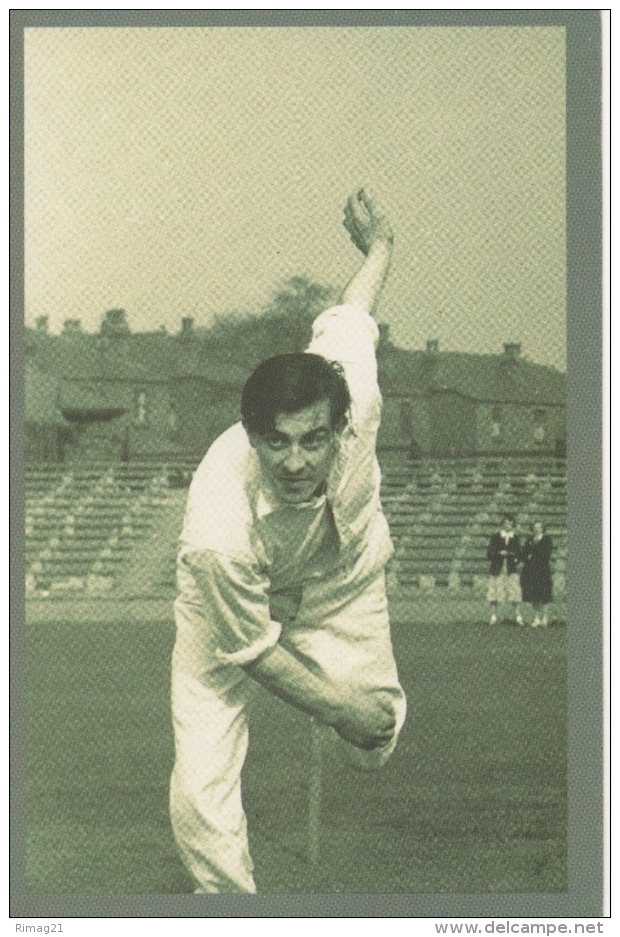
x,y
584,321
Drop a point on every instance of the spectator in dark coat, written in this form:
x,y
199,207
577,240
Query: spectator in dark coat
x,y
504,556
536,580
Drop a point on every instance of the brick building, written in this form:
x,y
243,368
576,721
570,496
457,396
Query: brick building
x,y
448,403
118,396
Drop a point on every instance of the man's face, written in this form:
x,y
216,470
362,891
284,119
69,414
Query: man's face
x,y
295,458
507,526
537,528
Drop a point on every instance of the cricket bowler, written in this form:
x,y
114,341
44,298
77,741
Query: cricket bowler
x,y
281,570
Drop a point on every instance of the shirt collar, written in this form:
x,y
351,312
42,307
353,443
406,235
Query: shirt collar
x,y
266,503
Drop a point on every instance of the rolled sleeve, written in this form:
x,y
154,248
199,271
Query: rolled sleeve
x,y
349,335
346,333
235,605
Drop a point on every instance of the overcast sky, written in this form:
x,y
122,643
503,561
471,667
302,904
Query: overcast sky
x,y
188,171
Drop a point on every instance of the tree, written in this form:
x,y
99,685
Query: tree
x,y
283,326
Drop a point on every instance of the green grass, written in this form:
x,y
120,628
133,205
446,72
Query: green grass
x,y
473,800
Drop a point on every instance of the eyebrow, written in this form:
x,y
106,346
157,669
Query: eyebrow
x,y
307,437
319,431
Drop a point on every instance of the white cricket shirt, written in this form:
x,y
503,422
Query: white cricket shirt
x,y
238,545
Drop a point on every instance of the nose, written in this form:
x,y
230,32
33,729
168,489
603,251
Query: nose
x,y
295,460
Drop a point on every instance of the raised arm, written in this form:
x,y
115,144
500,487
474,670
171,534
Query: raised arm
x,y
371,233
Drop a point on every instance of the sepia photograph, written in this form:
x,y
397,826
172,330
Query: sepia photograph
x,y
308,318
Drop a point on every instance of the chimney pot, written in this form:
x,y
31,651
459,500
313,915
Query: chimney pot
x,y
512,350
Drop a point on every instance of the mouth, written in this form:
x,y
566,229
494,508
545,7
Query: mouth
x,y
296,488
295,483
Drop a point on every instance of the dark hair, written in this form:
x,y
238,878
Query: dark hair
x,y
287,383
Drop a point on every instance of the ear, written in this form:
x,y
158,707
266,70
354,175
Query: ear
x,y
340,427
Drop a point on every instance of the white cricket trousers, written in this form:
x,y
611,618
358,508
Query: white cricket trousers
x,y
341,632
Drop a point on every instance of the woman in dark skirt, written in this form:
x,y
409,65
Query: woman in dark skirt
x,y
536,582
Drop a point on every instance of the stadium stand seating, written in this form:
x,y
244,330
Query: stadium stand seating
x,y
442,512
86,528
113,529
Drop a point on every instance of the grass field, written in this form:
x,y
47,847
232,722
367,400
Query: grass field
x,y
474,799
